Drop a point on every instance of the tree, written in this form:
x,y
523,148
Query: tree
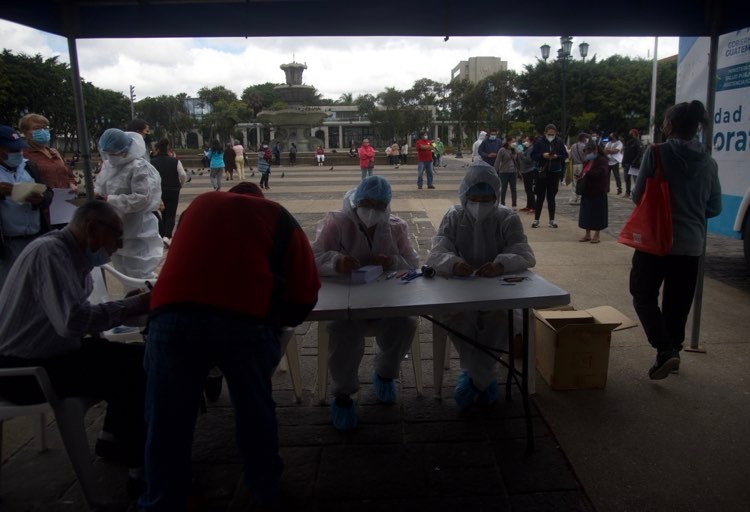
x,y
346,98
260,97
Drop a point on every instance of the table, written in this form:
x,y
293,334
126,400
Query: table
x,y
338,299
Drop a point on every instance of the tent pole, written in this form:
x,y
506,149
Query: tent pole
x,y
708,137
83,135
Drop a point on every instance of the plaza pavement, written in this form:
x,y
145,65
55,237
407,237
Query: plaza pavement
x,y
678,444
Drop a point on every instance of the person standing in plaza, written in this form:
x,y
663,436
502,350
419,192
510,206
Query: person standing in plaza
x,y
229,317
489,147
438,150
476,237
507,166
549,153
264,164
528,174
142,128
52,168
613,150
292,154
276,153
364,232
216,164
320,155
424,159
578,158
173,177
239,159
20,221
629,155
366,158
133,186
396,154
695,196
475,147
593,215
228,162
404,152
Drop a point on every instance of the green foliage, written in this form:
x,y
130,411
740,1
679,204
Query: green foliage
x,y
261,97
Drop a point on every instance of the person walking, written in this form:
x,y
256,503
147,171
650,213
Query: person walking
x,y
215,164
366,158
695,196
424,159
276,153
549,153
507,167
239,159
578,158
593,215
228,162
293,154
404,152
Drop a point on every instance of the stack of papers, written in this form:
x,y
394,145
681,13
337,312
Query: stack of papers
x,y
366,274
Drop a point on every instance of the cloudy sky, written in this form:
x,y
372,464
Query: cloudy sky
x,y
336,65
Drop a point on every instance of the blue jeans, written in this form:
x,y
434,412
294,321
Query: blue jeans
x,y
366,171
421,168
182,346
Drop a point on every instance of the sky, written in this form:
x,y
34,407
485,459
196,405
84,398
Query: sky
x,y
335,65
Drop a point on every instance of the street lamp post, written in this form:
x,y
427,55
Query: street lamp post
x,y
563,55
460,131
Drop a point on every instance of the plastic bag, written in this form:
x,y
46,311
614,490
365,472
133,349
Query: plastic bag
x,y
649,227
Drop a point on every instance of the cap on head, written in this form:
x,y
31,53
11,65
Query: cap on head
x,y
375,188
114,141
10,139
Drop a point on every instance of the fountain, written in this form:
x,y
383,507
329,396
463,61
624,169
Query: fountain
x,y
294,122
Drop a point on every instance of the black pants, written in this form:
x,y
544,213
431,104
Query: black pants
x,y
100,369
615,169
546,186
528,186
665,327
627,177
264,179
170,198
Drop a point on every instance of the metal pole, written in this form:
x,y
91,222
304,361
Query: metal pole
x,y
564,112
652,114
708,136
460,136
83,135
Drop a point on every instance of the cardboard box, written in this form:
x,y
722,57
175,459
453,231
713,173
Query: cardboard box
x,y
572,346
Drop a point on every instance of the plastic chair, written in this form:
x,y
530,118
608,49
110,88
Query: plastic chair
x,y
103,293
69,414
416,359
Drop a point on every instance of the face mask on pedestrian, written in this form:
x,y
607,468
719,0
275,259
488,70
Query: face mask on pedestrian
x,y
425,137
116,160
493,137
13,159
371,216
41,136
591,156
99,257
478,210
550,137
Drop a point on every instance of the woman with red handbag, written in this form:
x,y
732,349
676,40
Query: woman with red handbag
x,y
592,183
694,195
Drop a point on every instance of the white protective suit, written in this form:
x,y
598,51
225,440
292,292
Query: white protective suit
x,y
475,147
339,234
498,238
134,189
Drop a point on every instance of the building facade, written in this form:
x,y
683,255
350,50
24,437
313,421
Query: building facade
x,y
477,68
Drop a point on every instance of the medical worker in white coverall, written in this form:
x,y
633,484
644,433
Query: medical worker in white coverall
x,y
364,232
133,186
480,238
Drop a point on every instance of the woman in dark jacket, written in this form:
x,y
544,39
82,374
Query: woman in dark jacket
x,y
229,161
593,214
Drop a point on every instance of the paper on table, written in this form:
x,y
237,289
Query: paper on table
x,y
61,210
22,190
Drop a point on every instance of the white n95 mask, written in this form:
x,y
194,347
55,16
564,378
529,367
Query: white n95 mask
x,y
479,210
370,216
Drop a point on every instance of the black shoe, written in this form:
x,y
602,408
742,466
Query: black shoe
x,y
430,186
665,363
619,191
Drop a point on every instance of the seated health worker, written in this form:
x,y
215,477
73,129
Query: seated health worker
x,y
364,232
479,238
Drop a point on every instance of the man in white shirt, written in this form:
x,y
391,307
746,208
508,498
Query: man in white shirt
x,y
613,149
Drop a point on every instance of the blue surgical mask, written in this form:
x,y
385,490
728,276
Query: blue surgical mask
x,y
99,257
41,136
493,137
14,159
591,156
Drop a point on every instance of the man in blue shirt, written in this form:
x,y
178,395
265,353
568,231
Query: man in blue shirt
x,y
21,217
489,147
